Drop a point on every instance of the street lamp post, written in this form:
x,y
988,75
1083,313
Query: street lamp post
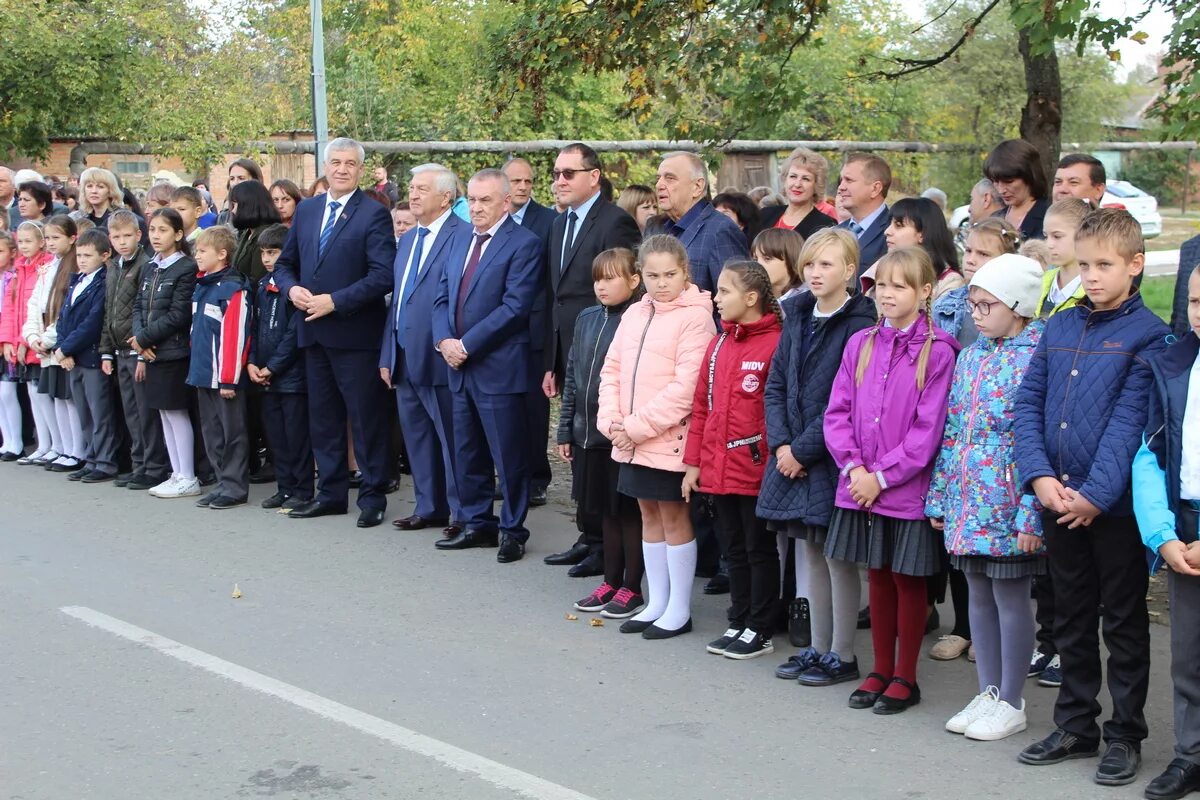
x,y
320,112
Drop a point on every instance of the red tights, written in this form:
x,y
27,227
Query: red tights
x,y
897,626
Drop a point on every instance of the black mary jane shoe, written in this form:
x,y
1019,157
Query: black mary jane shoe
x,y
655,632
890,705
1181,778
861,698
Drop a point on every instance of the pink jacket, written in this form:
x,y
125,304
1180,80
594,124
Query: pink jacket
x,y
649,376
16,303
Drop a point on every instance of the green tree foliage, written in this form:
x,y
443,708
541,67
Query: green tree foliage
x,y
134,70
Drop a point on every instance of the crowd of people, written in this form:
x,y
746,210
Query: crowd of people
x,y
779,397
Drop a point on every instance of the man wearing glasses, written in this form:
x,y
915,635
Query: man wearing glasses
x,y
589,225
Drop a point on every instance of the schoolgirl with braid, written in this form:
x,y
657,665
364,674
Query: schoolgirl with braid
x,y
883,428
727,453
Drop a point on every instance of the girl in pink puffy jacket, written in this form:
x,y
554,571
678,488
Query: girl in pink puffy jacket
x,y
646,389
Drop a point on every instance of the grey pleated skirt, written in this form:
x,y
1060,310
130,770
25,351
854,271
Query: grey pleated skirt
x,y
796,529
907,546
1002,569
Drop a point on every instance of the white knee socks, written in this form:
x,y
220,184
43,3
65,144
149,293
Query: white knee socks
x,y
45,422
70,433
177,430
657,581
10,418
681,569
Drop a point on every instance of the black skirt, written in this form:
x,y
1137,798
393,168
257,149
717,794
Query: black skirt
x,y
53,381
907,546
166,385
647,483
594,479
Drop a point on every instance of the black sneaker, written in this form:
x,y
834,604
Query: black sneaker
x,y
1052,675
276,500
221,502
1038,663
78,474
206,501
597,600
799,623
625,604
749,645
718,646
123,479
829,670
141,481
795,666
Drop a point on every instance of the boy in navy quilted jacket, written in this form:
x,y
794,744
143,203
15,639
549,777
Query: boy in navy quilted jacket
x,y
1080,413
220,348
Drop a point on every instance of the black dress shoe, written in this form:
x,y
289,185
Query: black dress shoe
x,y
141,481
392,487
370,517
510,550
861,698
67,466
415,523
635,626
453,529
221,502
655,632
264,474
315,508
123,479
464,540
96,476
537,496
9,456
718,584
890,705
572,555
78,474
204,501
1056,748
591,566
1180,779
276,500
1120,763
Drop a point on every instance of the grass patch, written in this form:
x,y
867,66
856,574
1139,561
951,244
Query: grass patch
x,y
1158,293
1176,231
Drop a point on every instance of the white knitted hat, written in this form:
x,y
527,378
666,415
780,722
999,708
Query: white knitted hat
x,y
1015,280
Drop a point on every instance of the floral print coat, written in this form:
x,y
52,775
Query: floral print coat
x,y
975,487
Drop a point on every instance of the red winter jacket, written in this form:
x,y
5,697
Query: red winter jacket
x,y
729,428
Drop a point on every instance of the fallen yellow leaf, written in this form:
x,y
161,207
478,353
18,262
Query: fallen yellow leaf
x,y
237,593
571,617
597,623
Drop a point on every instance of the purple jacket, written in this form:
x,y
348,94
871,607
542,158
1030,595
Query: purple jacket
x,y
886,424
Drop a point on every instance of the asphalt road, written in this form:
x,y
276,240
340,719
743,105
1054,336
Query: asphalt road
x,y
364,664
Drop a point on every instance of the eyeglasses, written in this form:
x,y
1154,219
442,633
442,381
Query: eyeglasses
x,y
984,308
569,174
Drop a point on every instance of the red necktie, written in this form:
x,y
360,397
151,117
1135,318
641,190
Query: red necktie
x,y
468,274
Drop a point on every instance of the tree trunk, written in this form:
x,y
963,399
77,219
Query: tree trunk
x,y
1041,119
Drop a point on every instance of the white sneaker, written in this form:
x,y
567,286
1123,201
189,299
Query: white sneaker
x,y
166,485
1002,722
980,706
183,487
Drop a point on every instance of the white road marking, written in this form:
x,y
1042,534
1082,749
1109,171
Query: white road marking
x,y
448,755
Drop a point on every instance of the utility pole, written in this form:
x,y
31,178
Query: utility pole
x,y
320,111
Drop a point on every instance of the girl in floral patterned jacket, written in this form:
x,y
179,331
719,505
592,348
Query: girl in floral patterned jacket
x,y
992,529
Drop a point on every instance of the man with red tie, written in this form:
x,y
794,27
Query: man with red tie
x,y
493,274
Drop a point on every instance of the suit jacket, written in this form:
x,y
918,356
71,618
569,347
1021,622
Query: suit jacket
x,y
569,286
424,365
539,220
499,300
356,269
872,245
80,320
711,239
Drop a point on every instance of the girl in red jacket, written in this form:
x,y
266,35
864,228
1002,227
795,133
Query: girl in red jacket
x,y
32,260
727,452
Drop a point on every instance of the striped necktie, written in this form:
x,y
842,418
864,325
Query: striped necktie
x,y
327,231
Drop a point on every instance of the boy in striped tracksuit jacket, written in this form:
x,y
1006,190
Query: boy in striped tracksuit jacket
x,y
221,321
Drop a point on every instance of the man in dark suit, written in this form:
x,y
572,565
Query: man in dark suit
x,y
538,219
590,225
407,361
863,190
711,238
481,327
336,267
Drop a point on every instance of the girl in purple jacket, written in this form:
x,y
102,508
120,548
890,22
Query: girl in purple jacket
x,y
883,429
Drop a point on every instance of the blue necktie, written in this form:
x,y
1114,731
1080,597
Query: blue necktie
x,y
410,280
856,229
327,231
568,239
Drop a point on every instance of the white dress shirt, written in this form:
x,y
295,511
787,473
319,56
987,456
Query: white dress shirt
x,y
1189,458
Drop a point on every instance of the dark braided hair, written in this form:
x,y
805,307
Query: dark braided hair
x,y
752,277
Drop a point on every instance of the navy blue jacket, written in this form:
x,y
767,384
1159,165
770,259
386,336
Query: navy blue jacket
x,y
355,269
221,323
798,386
80,322
711,239
1081,408
1164,425
423,365
1189,258
499,300
274,343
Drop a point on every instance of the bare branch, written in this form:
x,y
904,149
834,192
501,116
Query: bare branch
x,y
911,65
945,11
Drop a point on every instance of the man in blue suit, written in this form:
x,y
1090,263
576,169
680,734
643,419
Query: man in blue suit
x,y
863,190
536,218
336,267
407,361
481,327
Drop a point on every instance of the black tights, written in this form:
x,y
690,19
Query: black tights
x,y
623,563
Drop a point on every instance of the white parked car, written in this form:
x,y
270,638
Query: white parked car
x,y
1120,194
